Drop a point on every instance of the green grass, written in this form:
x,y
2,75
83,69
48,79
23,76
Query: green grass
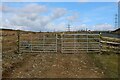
x,y
108,63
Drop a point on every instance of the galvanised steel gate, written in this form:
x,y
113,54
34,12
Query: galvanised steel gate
x,y
76,43
68,43
38,43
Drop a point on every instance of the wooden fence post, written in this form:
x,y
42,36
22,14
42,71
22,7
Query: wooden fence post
x,y
100,45
87,39
56,42
31,41
62,42
43,42
18,41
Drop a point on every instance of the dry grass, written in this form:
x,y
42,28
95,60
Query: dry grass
x,y
52,64
109,63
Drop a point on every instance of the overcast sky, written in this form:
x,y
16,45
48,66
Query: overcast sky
x,y
50,16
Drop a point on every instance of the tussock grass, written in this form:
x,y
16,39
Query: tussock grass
x,y
107,62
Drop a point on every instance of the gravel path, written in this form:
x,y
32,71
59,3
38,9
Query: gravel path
x,y
52,65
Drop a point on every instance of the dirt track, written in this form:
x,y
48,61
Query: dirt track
x,y
50,65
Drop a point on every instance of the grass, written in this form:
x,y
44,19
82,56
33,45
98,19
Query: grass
x,y
109,63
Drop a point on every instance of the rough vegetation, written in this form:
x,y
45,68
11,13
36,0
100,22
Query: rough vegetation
x,y
50,65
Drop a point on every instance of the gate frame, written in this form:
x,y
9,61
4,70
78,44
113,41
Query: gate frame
x,y
44,50
56,43
87,42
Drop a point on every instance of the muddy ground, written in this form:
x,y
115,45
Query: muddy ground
x,y
51,65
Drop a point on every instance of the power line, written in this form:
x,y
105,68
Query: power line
x,y
69,27
119,14
116,20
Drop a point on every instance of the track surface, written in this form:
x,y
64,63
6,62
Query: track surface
x,y
49,65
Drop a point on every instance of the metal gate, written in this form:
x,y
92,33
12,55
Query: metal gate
x,y
34,42
76,43
69,43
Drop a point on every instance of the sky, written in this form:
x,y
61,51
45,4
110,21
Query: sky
x,y
55,16
60,0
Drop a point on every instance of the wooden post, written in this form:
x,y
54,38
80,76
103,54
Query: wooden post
x,y
61,43
87,43
31,44
43,43
56,42
18,41
87,39
100,45
74,44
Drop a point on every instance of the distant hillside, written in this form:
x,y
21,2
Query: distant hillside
x,y
13,30
7,29
117,31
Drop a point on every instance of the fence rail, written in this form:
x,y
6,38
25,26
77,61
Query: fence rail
x,y
47,44
69,43
75,43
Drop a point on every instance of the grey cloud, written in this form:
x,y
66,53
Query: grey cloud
x,y
73,18
57,27
58,12
103,27
34,8
30,8
4,8
32,21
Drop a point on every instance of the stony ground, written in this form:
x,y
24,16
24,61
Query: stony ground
x,y
52,65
